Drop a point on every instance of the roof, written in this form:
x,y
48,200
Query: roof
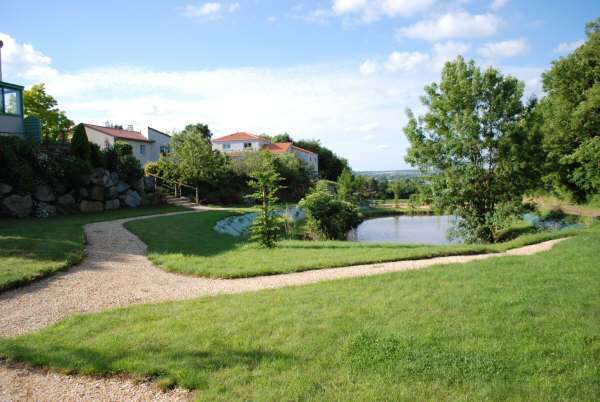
x,y
119,133
241,136
5,84
302,150
160,132
278,148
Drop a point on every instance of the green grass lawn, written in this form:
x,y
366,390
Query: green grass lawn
x,y
188,244
33,248
511,328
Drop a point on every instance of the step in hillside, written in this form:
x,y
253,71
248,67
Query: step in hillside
x,y
179,201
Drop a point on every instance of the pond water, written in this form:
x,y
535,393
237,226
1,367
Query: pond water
x,y
405,229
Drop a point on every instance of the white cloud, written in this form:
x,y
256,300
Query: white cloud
x,y
507,48
384,147
368,127
498,4
453,25
23,61
447,51
373,10
406,61
369,67
209,10
233,7
568,47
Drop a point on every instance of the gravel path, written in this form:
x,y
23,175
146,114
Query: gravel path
x,y
115,273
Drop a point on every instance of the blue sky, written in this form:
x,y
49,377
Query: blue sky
x,y
341,71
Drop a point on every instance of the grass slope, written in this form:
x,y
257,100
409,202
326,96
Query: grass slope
x,y
511,328
34,248
188,244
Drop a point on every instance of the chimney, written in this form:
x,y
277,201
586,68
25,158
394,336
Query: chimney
x,y
1,44
130,127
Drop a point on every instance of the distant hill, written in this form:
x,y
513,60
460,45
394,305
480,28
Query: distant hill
x,y
389,174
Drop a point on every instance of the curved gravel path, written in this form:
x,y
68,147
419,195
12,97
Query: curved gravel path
x,y
115,273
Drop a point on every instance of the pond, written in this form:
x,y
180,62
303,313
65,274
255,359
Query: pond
x,y
405,229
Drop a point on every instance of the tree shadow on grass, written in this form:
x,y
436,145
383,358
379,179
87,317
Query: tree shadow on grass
x,y
188,367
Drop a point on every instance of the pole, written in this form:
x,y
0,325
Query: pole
x,y
1,44
197,196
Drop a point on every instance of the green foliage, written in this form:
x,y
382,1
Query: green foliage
x,y
198,129
330,165
123,148
80,146
130,169
37,103
476,144
326,186
96,155
267,226
345,185
295,179
571,120
329,218
285,137
16,162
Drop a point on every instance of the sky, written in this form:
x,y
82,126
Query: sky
x,y
340,71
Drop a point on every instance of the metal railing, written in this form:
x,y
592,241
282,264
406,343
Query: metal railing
x,y
175,186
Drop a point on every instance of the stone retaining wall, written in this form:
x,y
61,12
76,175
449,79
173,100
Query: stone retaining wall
x,y
101,190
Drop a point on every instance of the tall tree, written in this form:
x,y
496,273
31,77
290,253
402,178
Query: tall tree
x,y
37,103
475,144
198,128
195,159
571,119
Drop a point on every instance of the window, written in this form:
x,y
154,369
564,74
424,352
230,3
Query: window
x,y
226,146
10,101
165,149
247,145
142,149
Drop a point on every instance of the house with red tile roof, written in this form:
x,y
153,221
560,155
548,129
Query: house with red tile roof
x,y
237,143
147,144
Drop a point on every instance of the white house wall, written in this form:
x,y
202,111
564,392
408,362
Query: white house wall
x,y
99,138
238,146
160,140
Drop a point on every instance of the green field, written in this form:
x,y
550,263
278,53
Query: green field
x,y
188,244
511,328
34,248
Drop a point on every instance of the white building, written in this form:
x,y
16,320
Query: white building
x,y
235,144
147,145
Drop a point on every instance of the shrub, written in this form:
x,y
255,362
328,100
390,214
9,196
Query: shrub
x,y
111,159
80,146
96,156
122,148
329,218
16,162
129,169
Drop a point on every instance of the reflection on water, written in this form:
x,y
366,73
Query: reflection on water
x,y
405,229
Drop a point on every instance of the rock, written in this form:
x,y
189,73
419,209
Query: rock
x,y
114,178
131,199
91,206
66,200
43,193
100,177
96,193
112,204
18,205
44,210
122,187
111,193
5,189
